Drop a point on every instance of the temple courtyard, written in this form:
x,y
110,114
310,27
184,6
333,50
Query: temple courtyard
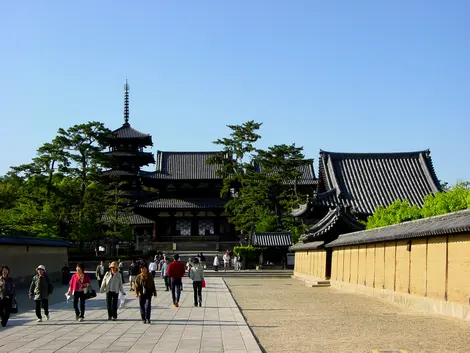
x,y
287,316
284,314
216,327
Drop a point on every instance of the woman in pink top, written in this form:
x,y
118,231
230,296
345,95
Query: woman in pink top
x,y
77,286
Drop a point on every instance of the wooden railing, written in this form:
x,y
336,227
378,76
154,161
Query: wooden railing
x,y
188,238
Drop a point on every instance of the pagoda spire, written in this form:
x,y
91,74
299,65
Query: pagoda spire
x,y
126,103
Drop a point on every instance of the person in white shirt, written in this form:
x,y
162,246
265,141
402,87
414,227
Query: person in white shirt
x,y
216,263
153,268
226,259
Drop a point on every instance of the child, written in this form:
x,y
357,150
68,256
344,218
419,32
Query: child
x,y
144,289
40,290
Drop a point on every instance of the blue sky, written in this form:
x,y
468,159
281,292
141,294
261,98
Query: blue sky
x,y
345,76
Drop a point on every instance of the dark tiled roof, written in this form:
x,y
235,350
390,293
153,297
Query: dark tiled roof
x,y
113,172
185,166
301,210
307,175
145,157
451,223
129,218
367,180
32,241
272,239
128,132
174,203
307,246
331,219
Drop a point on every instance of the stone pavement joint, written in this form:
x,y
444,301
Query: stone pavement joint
x,y
216,327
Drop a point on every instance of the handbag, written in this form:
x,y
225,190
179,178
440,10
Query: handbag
x,y
203,283
90,293
14,306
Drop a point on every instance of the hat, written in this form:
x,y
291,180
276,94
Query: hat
x,y
41,267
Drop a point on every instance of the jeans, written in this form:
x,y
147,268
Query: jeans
x,y
197,287
176,289
45,305
80,295
112,299
166,279
145,301
5,309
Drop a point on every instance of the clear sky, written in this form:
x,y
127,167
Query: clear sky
x,y
344,76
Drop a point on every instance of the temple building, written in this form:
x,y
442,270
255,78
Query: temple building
x,y
184,210
177,203
352,185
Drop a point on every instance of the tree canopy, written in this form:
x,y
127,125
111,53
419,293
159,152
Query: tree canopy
x,y
453,199
261,185
58,194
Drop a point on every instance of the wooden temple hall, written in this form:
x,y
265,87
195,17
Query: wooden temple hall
x,y
352,185
177,198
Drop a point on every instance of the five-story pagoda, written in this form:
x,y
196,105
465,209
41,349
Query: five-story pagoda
x,y
126,155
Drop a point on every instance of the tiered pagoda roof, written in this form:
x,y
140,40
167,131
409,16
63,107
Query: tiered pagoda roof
x,y
126,144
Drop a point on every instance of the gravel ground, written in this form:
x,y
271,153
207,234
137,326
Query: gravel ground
x,y
287,316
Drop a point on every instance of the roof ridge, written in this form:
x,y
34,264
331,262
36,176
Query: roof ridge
x,y
373,154
419,220
189,152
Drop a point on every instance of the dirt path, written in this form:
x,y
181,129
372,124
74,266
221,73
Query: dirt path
x,y
286,316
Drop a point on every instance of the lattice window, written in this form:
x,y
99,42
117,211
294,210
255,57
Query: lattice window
x,y
206,226
184,226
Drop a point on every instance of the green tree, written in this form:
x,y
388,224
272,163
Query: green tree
x,y
115,216
261,184
399,211
454,199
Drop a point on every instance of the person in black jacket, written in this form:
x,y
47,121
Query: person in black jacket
x,y
7,294
134,270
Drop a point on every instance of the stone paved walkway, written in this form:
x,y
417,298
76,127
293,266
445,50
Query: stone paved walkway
x,y
216,327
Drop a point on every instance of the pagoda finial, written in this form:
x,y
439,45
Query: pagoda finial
x,y
126,103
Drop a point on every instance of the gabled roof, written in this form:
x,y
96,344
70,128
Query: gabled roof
x,y
451,223
272,239
334,218
175,203
185,166
314,245
127,218
307,174
365,181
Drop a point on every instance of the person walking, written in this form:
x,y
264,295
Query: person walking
x,y
164,274
100,271
7,294
216,263
153,267
226,259
197,275
134,270
176,273
121,269
40,290
78,285
112,286
144,290
202,258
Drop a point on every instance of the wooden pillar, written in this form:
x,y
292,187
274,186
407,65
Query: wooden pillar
x,y
217,224
172,224
194,224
